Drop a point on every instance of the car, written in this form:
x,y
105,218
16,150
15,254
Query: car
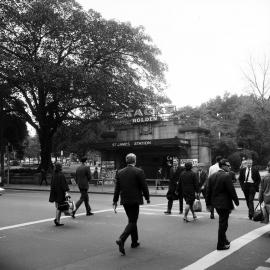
x,y
2,191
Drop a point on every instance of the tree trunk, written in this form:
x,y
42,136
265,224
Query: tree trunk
x,y
45,140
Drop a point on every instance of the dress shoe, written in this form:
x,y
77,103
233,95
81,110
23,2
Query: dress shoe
x,y
212,216
89,214
225,247
57,223
185,219
135,245
121,246
167,212
227,242
73,214
180,212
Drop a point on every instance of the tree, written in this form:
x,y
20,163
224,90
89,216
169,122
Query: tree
x,y
64,63
248,135
32,147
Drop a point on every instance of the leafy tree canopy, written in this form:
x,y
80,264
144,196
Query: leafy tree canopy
x,y
64,63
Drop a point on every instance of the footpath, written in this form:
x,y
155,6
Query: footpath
x,y
105,189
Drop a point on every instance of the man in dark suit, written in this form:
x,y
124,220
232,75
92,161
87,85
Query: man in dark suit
x,y
174,176
131,186
220,193
249,179
83,177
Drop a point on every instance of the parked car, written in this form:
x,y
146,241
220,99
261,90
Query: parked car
x,y
2,191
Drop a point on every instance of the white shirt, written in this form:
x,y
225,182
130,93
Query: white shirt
x,y
249,180
213,169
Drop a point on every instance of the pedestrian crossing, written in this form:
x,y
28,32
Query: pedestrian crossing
x,y
263,267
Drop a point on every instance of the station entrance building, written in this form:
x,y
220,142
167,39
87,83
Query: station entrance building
x,y
155,140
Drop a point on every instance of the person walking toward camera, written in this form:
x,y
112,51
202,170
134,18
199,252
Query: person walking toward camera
x,y
249,179
131,186
59,188
264,194
220,194
83,177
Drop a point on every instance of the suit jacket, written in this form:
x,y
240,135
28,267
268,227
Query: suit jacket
x,y
255,175
131,186
220,191
83,176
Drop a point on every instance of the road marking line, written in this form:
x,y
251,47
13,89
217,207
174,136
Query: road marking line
x,y
262,268
268,260
50,219
216,256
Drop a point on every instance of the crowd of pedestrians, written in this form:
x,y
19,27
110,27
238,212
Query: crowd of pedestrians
x,y
185,183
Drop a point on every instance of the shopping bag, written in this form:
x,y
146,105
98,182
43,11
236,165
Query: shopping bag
x,y
197,206
258,213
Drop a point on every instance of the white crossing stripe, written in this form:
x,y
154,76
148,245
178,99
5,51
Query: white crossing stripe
x,y
63,217
262,268
268,260
216,256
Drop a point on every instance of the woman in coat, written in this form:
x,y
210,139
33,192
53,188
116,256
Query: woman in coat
x,y
59,187
190,188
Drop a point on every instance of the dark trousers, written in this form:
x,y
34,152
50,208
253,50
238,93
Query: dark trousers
x,y
43,178
170,203
223,226
132,212
84,198
249,190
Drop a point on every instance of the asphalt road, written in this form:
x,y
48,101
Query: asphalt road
x,y
29,239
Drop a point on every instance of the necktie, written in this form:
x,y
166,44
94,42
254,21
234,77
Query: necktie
x,y
248,174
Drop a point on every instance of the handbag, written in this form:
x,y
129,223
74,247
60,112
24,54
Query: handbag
x,y
258,213
63,206
197,206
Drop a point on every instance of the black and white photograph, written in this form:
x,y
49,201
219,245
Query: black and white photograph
x,y
134,134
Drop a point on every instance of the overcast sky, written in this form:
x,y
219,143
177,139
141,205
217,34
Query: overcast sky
x,y
205,43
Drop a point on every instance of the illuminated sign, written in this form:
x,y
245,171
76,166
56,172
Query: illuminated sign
x,y
145,115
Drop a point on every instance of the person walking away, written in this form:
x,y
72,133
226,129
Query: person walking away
x,y
264,194
190,188
174,175
214,168
220,194
58,192
131,186
249,179
159,178
83,177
